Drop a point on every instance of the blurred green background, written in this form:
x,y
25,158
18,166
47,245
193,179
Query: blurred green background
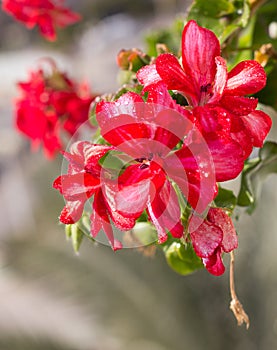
x,y
50,298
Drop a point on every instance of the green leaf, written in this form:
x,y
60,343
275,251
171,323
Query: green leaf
x,y
111,160
171,37
212,8
225,199
76,237
144,233
255,172
182,258
223,17
268,94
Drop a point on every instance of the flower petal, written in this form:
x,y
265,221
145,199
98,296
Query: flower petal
x,y
214,263
148,75
100,220
164,211
247,77
228,156
257,124
218,217
220,80
200,47
76,186
206,239
72,212
173,75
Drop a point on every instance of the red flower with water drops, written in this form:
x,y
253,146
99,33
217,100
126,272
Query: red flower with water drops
x,y
50,104
85,180
148,132
227,119
46,14
214,236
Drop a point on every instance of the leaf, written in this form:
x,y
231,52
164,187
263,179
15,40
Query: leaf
x,y
76,237
225,199
255,172
171,37
268,94
223,17
182,258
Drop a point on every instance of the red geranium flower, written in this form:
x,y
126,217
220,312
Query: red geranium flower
x,y
49,104
46,14
149,133
213,237
85,180
229,121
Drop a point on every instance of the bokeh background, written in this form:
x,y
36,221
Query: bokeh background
x,y
50,298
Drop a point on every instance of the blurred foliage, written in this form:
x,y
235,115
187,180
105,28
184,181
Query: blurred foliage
x,y
255,173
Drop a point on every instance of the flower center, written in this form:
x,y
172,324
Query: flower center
x,y
205,94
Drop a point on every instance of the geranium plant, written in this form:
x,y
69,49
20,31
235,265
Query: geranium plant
x,y
186,119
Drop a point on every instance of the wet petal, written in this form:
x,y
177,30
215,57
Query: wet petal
x,y
247,77
219,217
148,75
200,47
228,157
164,211
257,124
76,186
173,75
214,263
206,239
72,212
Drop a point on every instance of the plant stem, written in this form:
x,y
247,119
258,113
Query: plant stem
x,y
235,304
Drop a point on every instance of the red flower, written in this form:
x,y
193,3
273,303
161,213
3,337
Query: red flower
x,y
49,104
84,181
149,133
46,14
214,236
228,120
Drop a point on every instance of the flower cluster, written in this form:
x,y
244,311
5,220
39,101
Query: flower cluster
x,y
169,157
46,14
51,103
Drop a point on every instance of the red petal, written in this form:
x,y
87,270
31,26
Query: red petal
x,y
200,47
100,220
218,217
164,211
206,239
192,169
173,75
239,105
243,138
148,75
257,126
107,111
130,201
214,263
220,79
228,157
247,77
129,198
76,186
213,119
93,153
72,212
46,26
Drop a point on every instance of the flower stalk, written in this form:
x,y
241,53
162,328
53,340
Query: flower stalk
x,y
235,304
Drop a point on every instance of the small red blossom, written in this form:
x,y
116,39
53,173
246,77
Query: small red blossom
x,y
83,181
50,104
46,14
213,237
148,132
227,119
